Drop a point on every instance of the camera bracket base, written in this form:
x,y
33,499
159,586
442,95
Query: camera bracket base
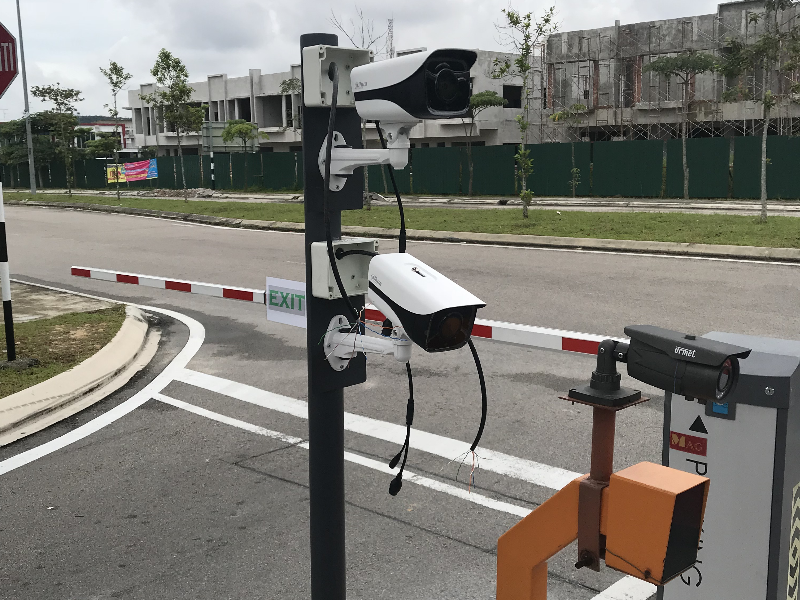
x,y
342,343
344,159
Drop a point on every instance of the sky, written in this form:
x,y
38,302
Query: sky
x,y
67,42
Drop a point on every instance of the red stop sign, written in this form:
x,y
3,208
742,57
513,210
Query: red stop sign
x,y
8,59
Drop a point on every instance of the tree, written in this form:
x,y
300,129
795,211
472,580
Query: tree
x,y
686,66
361,34
522,34
245,132
117,77
292,86
14,143
172,96
573,117
763,54
105,145
477,104
63,121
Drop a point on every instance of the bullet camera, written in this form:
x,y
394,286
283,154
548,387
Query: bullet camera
x,y
683,364
435,312
424,85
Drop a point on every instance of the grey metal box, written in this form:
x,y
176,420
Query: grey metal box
x,y
750,450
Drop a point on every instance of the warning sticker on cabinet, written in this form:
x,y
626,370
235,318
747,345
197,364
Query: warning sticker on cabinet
x,y
690,444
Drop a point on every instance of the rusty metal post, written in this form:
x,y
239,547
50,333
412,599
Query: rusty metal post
x,y
591,543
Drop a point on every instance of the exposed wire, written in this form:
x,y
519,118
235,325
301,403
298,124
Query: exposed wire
x,y
402,240
333,74
484,402
397,482
647,574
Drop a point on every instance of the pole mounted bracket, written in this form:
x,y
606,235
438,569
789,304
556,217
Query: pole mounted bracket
x,y
345,159
344,341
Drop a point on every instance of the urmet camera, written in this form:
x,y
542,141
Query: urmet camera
x,y
683,364
435,312
423,85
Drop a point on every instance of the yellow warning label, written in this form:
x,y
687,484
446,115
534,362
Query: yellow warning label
x,y
794,547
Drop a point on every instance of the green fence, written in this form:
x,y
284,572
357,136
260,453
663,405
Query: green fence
x,y
708,160
718,168
628,169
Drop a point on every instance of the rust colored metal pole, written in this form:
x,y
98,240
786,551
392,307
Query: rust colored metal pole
x,y
603,429
591,543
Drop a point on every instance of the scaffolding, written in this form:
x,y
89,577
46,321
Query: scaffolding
x,y
604,70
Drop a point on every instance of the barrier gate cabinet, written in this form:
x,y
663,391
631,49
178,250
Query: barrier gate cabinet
x,y
749,447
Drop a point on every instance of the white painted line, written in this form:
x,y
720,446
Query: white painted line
x,y
439,486
197,335
496,462
627,588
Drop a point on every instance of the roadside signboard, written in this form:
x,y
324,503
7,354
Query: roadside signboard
x,y
8,59
286,301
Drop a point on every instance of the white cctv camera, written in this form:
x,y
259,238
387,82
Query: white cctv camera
x,y
423,85
399,93
434,311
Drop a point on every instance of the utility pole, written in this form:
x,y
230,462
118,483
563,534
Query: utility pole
x,y
5,284
326,386
31,166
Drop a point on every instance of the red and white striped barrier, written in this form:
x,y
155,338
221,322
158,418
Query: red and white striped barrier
x,y
498,331
191,287
524,335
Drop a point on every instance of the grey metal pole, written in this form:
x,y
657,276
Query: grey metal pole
x,y
5,284
31,165
326,386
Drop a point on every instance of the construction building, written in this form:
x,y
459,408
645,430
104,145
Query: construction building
x,y
601,69
605,71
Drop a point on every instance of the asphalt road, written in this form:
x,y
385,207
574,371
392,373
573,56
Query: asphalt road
x,y
203,494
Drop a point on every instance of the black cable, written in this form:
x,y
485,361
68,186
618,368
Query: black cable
x,y
341,253
397,482
484,403
396,193
333,75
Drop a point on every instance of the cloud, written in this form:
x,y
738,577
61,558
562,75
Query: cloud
x,y
69,41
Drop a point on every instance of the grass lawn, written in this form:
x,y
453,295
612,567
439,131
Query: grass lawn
x,y
58,344
778,232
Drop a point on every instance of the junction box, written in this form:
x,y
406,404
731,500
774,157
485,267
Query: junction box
x,y
749,447
353,269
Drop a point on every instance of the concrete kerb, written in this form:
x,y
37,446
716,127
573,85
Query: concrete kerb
x,y
789,255
48,402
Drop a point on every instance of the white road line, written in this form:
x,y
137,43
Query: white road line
x,y
627,588
197,335
408,476
496,462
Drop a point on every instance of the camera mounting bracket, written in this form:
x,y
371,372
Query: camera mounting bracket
x,y
345,159
342,343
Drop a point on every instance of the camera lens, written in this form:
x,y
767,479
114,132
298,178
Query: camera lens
x,y
725,379
447,88
451,326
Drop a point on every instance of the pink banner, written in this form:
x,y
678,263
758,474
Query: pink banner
x,y
137,171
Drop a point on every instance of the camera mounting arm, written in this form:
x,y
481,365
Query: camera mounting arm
x,y
343,342
344,159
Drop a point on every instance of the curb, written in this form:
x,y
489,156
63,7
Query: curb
x,y
758,253
59,397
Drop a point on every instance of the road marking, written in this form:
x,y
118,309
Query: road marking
x,y
197,335
408,476
627,588
497,462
